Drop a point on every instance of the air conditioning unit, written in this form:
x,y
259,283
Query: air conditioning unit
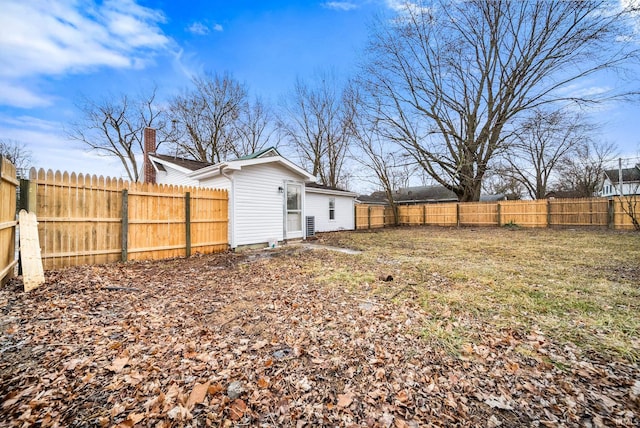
x,y
311,225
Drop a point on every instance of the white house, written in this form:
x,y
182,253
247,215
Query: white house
x,y
270,198
630,182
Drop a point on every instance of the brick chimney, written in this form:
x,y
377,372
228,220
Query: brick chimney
x,y
149,148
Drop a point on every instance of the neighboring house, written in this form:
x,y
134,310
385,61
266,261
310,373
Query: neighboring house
x,y
630,182
564,194
270,198
422,195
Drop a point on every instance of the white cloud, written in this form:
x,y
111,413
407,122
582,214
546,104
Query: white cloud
x,y
202,29
198,28
340,5
403,6
52,149
40,38
11,94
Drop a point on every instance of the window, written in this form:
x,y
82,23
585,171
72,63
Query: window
x,y
332,208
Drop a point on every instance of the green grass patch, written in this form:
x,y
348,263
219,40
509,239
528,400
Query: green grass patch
x,y
576,286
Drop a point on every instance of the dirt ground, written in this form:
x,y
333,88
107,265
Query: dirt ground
x,y
255,339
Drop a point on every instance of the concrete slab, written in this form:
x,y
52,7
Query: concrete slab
x,y
330,248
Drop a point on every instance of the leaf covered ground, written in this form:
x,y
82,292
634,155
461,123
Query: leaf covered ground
x,y
426,327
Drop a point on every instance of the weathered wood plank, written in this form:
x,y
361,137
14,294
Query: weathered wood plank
x,y
32,270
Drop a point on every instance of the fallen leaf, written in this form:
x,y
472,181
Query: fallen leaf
x,y
198,394
467,349
116,410
215,388
131,420
512,367
263,383
493,422
237,409
345,400
259,345
72,364
400,423
402,396
179,413
386,420
304,384
498,403
118,364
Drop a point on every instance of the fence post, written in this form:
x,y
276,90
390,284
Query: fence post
x,y
28,192
424,214
24,195
187,219
369,217
125,224
499,214
548,213
611,214
457,214
355,216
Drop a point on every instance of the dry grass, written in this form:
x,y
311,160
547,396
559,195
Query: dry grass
x,y
579,288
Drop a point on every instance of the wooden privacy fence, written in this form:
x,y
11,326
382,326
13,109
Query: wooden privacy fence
x,y
373,216
537,213
8,185
84,219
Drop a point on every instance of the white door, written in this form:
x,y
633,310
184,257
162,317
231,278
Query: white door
x,y
293,211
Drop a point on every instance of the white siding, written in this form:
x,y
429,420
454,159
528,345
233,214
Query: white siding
x,y
219,182
175,177
259,206
628,188
317,205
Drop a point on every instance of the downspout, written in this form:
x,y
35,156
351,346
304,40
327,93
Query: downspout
x,y
232,208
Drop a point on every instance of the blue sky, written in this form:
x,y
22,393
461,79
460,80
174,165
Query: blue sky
x,y
52,52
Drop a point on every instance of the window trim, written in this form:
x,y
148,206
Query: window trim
x,y
332,209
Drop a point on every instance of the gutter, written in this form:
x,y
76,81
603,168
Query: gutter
x,y
232,206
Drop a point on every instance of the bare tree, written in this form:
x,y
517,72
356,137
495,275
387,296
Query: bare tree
x,y
370,149
114,126
206,117
316,122
583,171
496,183
253,129
453,77
543,140
18,154
630,204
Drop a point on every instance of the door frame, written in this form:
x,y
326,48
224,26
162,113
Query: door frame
x,y
286,233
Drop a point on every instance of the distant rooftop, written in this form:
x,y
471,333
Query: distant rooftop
x,y
628,174
422,194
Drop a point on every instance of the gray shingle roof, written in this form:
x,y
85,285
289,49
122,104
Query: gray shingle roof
x,y
190,164
628,174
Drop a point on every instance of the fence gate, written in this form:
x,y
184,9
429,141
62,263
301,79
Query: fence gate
x,y
8,188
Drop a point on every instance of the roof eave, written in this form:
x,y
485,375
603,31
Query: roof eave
x,y
330,191
169,164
